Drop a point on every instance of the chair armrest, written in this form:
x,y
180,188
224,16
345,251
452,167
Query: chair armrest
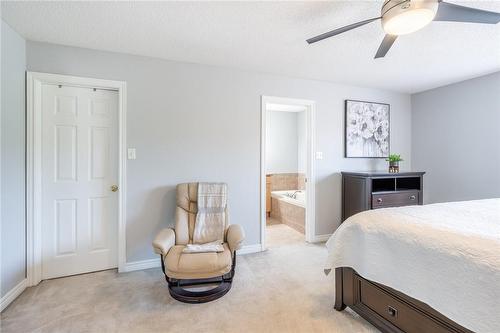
x,y
235,237
164,241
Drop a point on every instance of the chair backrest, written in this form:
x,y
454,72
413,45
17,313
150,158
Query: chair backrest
x,y
185,213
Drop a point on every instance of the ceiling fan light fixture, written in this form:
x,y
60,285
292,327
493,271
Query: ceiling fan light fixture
x,y
401,18
408,22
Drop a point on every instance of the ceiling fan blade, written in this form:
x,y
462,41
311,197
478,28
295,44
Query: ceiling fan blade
x,y
340,30
385,46
455,13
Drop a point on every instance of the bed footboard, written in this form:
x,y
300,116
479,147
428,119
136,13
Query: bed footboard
x,y
339,299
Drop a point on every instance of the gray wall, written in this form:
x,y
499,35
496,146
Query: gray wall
x,y
302,141
456,139
13,53
282,142
193,122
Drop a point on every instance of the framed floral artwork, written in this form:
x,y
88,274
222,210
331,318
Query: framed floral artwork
x,y
367,129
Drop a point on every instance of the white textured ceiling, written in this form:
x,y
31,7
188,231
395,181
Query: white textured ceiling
x,y
270,37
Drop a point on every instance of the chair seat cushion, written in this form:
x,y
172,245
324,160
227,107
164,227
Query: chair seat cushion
x,y
180,265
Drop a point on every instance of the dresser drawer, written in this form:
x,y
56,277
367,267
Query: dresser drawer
x,y
396,199
400,314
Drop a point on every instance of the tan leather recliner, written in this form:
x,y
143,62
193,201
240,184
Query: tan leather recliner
x,y
183,270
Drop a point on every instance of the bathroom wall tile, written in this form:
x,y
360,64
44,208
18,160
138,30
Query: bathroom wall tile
x,y
289,214
275,209
301,181
284,181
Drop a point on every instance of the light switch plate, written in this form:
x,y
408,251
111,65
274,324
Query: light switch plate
x,y
319,155
131,153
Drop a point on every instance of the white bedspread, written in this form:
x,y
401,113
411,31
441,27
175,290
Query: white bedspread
x,y
446,255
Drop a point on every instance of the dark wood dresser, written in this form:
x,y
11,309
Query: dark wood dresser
x,y
378,189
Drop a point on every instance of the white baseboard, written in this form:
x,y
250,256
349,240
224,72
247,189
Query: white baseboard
x,y
321,238
246,249
12,294
142,264
154,263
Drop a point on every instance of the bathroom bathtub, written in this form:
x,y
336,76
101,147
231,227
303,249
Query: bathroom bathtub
x,y
289,210
299,200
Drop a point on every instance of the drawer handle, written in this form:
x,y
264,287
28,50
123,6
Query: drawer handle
x,y
412,197
392,311
379,200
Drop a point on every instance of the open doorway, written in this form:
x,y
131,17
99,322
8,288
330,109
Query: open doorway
x,y
287,186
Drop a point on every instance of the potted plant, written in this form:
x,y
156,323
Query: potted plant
x,y
394,160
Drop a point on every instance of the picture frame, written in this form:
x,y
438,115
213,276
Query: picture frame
x,y
367,129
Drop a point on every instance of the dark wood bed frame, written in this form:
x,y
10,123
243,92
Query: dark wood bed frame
x,y
389,310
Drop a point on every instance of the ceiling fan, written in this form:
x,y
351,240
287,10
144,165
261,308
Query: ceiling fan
x,y
401,17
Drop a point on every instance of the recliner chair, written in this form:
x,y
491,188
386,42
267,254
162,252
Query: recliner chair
x,y
184,270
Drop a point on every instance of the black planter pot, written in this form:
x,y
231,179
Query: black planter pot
x,y
394,167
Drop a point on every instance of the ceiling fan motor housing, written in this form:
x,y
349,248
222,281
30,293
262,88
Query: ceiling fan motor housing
x,y
400,17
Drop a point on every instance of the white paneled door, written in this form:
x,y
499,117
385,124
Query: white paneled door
x,y
79,180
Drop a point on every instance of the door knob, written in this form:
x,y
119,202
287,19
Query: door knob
x,y
114,188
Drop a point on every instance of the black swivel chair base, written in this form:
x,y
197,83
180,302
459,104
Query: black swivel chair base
x,y
178,291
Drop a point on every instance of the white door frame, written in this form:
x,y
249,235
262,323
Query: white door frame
x,y
310,223
34,81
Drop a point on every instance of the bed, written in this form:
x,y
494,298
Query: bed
x,y
432,268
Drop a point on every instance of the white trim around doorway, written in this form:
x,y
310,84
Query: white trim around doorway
x,y
34,81
310,107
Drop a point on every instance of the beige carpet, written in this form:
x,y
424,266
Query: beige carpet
x,y
280,290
